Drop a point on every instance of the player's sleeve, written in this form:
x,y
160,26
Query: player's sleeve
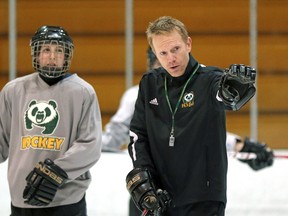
x,y
231,141
5,123
139,144
116,131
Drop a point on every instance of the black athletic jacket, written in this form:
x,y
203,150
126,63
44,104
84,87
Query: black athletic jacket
x,y
195,168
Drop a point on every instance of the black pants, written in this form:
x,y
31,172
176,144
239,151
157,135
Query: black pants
x,y
76,209
207,208
133,210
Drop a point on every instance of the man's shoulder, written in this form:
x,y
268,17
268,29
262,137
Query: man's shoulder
x,y
210,71
154,73
205,69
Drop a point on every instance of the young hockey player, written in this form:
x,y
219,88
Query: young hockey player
x,y
50,131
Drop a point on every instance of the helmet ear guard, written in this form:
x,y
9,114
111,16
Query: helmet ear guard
x,y
52,35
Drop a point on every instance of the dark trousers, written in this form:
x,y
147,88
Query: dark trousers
x,y
207,208
133,210
76,209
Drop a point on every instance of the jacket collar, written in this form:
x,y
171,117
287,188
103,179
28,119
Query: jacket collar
x,y
178,81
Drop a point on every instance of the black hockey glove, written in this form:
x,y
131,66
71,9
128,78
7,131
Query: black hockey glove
x,y
237,86
264,154
144,193
43,182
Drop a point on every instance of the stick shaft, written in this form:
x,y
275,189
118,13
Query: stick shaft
x,y
251,155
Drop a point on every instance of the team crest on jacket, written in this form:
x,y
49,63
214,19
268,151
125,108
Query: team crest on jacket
x,y
188,100
42,114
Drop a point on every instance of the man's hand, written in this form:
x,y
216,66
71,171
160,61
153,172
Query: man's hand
x,y
264,154
144,193
241,73
43,182
164,200
237,86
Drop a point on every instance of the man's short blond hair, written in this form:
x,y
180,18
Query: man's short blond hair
x,y
163,25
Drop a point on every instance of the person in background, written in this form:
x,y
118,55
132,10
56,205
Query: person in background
x,y
178,129
115,137
50,131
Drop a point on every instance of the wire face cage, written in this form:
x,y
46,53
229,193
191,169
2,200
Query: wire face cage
x,y
51,58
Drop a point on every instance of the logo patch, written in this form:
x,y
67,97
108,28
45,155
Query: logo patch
x,y
188,100
42,114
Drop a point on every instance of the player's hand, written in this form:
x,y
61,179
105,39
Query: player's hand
x,y
145,195
236,87
241,73
160,205
164,200
43,182
264,154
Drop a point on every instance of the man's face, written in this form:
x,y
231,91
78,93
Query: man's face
x,y
51,56
172,52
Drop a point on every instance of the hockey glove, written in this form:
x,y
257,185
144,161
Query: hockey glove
x,y
43,182
264,154
237,86
144,194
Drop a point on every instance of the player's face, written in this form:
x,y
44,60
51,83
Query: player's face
x,y
51,55
172,52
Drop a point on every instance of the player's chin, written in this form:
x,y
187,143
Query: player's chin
x,y
176,71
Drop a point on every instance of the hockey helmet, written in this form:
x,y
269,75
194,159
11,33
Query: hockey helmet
x,y
53,35
152,61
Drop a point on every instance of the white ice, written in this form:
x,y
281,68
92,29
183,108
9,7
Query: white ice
x,y
250,193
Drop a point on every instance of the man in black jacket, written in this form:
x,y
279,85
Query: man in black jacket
x,y
178,131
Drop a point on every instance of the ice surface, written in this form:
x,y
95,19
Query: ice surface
x,y
250,193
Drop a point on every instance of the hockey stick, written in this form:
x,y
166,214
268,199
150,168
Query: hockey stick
x,y
154,213
251,155
145,212
281,156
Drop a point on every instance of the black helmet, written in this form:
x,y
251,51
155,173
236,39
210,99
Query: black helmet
x,y
152,60
53,35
